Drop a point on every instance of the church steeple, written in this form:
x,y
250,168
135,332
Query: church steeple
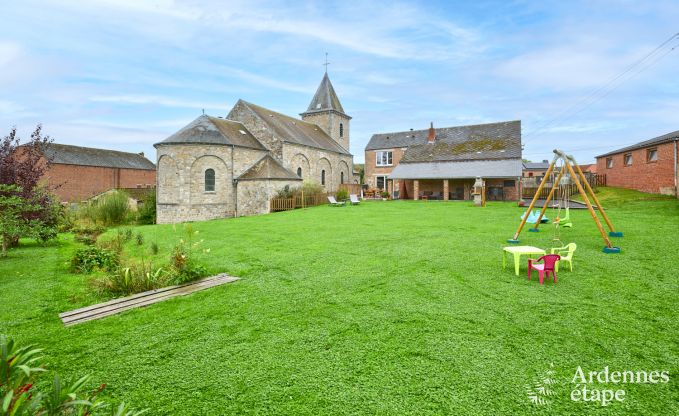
x,y
326,111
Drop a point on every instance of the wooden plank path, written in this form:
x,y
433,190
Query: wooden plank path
x,y
139,300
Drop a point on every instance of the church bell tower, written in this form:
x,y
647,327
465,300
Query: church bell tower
x,y
326,111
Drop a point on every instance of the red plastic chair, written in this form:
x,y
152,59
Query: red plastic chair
x,y
548,266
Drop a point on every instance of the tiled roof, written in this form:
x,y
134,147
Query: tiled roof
x,y
665,138
214,130
544,165
503,168
268,168
88,156
325,98
295,131
481,141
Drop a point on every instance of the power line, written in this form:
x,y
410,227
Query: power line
x,y
603,91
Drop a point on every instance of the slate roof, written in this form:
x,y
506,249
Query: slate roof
x,y
478,142
214,130
268,168
295,131
504,168
494,140
665,138
325,98
88,156
544,165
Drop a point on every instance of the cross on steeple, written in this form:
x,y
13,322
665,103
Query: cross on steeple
x,y
326,63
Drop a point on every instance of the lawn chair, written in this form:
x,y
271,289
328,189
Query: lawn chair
x,y
334,203
566,254
354,199
548,266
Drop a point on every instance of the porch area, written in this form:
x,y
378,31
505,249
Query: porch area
x,y
454,189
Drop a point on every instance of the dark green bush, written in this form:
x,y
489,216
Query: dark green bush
x,y
154,248
134,277
342,194
87,232
87,259
139,239
147,212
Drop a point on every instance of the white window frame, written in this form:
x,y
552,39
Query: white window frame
x,y
379,158
609,163
386,178
627,159
653,150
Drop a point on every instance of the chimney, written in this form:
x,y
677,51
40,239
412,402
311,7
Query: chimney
x,y
141,154
432,133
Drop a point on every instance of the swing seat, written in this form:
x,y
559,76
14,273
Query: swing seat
x,y
533,217
565,221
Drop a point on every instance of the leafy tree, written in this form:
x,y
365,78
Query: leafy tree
x,y
13,210
24,166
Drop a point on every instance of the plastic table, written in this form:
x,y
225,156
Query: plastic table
x,y
517,252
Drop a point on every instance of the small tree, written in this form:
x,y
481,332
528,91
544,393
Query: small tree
x,y
24,166
13,221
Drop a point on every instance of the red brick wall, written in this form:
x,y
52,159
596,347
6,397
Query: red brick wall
x,y
372,170
81,182
654,177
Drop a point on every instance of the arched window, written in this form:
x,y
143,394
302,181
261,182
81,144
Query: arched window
x,y
341,130
299,172
341,177
323,177
210,180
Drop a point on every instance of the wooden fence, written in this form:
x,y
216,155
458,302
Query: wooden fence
x,y
285,204
594,180
351,188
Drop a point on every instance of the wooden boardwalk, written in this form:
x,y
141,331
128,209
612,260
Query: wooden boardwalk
x,y
112,307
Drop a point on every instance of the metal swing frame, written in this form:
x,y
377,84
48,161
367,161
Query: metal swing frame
x,y
568,162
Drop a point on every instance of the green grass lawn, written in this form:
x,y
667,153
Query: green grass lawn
x,y
384,308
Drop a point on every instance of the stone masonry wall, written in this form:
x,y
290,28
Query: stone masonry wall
x,y
181,181
333,163
240,112
330,122
254,196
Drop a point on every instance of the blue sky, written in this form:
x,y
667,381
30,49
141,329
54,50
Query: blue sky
x,y
125,74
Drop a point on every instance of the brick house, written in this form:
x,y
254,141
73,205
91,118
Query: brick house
x,y
648,166
443,163
78,173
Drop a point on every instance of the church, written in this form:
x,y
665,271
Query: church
x,y
218,167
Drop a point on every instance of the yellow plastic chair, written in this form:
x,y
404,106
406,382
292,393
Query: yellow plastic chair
x,y
566,253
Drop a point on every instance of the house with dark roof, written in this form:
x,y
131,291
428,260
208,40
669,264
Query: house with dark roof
x,y
443,163
648,166
218,167
78,173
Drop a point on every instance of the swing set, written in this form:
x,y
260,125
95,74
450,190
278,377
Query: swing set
x,y
569,167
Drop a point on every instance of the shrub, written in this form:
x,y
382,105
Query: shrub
x,y
285,192
20,373
147,212
113,208
184,266
385,194
87,233
126,234
87,259
140,239
342,194
154,248
134,277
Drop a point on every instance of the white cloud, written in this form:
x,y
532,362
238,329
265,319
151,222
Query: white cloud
x,y
158,100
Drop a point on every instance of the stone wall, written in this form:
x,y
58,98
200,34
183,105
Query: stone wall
x,y
254,196
295,156
240,112
330,122
181,180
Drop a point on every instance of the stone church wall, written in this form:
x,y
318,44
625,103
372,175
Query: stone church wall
x,y
295,156
254,196
330,122
240,112
181,181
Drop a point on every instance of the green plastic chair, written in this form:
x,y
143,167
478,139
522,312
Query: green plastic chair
x,y
566,253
